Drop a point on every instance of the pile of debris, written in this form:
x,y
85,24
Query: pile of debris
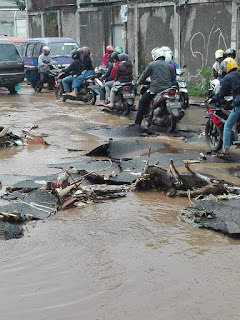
x,y
9,139
41,197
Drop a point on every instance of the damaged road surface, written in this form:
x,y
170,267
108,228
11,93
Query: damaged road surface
x,y
114,252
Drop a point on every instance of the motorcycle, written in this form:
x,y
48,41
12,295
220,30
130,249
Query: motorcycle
x,y
217,115
87,92
49,80
124,98
182,88
165,109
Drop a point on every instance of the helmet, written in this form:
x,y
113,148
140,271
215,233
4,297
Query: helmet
x,y
118,49
230,53
229,64
165,49
158,53
109,49
219,54
46,49
86,49
153,53
168,56
123,57
115,55
74,53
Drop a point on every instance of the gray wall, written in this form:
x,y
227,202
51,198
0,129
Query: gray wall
x,y
204,29
194,31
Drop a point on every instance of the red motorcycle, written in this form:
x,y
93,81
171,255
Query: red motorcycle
x,y
217,117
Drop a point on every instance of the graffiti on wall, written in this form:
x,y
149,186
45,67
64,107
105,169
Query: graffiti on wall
x,y
201,45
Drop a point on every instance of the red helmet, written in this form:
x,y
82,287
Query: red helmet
x,y
109,49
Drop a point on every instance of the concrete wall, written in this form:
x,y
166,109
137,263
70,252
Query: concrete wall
x,y
35,26
204,28
41,5
193,30
13,23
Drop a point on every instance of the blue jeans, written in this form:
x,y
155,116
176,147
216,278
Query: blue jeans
x,y
66,83
102,93
227,132
78,81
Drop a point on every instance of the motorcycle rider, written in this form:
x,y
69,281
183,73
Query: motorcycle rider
x,y
124,75
219,56
229,54
73,70
87,70
44,63
109,50
230,84
162,76
109,84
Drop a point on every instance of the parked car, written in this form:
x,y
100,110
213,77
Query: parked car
x,y
11,66
60,54
19,42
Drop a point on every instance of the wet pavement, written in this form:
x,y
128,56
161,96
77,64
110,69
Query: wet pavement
x,y
123,259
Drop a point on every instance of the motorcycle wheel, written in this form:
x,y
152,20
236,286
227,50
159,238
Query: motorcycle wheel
x,y
92,96
64,98
184,100
12,90
126,108
58,93
172,123
213,137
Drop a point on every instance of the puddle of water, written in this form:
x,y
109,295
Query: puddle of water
x,y
128,259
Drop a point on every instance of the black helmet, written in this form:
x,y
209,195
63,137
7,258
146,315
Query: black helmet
x,y
115,56
74,53
230,53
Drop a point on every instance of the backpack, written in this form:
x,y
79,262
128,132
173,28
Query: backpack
x,y
236,89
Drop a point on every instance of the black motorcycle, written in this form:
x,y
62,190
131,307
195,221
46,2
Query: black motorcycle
x,y
49,79
165,109
87,92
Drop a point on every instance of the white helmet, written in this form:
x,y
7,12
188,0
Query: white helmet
x,y
165,48
168,56
153,53
158,53
219,54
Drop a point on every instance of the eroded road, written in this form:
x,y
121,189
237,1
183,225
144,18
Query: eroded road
x,y
123,260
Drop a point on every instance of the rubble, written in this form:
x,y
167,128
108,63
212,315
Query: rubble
x,y
218,215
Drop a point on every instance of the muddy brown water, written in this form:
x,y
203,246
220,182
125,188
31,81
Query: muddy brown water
x,y
129,259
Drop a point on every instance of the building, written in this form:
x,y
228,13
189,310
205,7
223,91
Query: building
x,y
194,29
13,22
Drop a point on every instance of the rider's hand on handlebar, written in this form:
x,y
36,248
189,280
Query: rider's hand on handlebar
x,y
209,100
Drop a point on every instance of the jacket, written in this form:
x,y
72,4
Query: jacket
x,y
230,85
114,70
161,74
106,75
87,64
75,68
124,72
44,62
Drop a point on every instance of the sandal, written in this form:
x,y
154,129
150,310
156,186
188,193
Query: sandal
x,y
223,155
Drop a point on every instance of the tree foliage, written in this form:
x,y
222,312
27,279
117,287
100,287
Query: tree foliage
x,y
21,4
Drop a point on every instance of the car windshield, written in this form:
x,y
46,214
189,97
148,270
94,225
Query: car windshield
x,y
62,49
8,52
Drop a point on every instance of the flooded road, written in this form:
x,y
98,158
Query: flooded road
x,y
129,259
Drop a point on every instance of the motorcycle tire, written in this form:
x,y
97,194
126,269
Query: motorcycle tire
x,y
172,123
12,90
93,95
184,100
126,108
213,136
58,93
64,98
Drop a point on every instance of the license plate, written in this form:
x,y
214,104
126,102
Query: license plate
x,y
129,95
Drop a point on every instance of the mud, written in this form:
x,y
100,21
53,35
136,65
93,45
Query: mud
x,y
123,260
